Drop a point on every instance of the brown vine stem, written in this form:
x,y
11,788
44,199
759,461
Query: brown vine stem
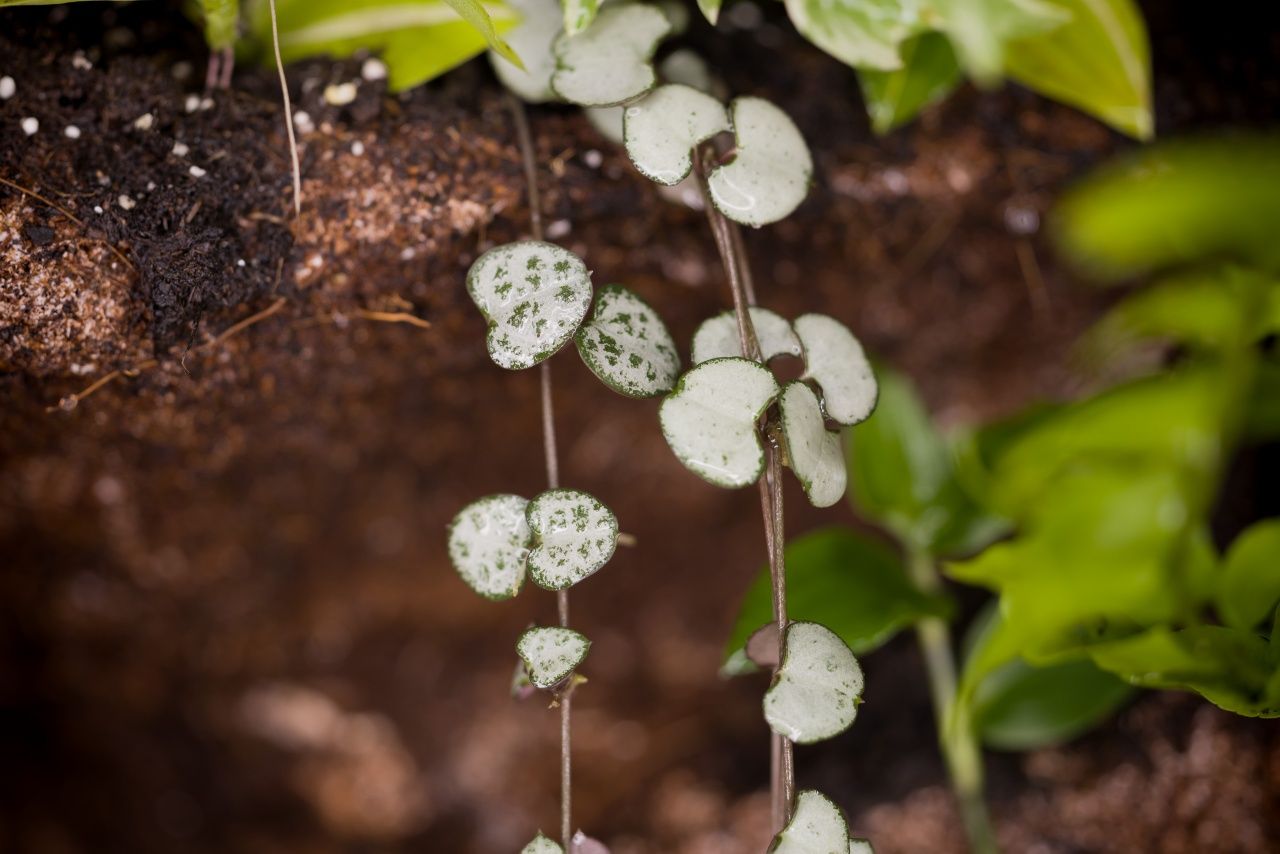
x,y
732,250
525,139
288,113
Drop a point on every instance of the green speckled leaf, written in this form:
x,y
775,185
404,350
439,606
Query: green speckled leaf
x,y
815,453
834,359
610,62
771,172
815,694
662,129
551,653
542,845
710,420
717,338
627,345
817,827
489,544
534,296
574,535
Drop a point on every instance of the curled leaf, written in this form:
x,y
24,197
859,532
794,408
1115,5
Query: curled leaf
x,y
816,691
662,129
710,420
531,39
534,296
489,543
574,535
717,338
551,653
762,647
835,360
627,345
610,62
817,827
815,452
771,170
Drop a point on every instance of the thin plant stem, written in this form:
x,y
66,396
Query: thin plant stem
x,y
956,738
732,250
552,457
288,113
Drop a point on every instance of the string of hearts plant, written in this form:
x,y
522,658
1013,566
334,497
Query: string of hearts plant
x,y
727,418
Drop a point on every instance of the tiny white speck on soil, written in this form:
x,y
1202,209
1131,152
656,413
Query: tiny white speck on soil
x,y
180,149
197,172
341,94
302,119
126,202
80,62
192,103
97,209
144,122
357,148
593,159
373,69
7,87
72,132
30,125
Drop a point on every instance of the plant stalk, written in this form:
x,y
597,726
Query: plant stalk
x,y
288,113
955,736
732,250
552,457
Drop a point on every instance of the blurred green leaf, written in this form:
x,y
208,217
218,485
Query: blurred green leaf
x,y
1178,203
1172,419
901,476
1249,586
418,39
578,14
982,30
844,580
710,9
1231,668
861,33
1020,707
1262,416
1196,309
929,73
1101,554
1099,61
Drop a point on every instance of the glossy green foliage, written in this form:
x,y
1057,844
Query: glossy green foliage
x,y
929,72
1186,202
844,580
902,475
1249,587
418,39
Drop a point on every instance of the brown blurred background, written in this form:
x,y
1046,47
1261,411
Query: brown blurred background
x,y
227,619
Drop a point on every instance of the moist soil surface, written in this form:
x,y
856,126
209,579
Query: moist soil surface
x,y
231,440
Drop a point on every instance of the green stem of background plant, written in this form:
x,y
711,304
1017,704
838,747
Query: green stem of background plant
x,y
733,256
956,738
552,458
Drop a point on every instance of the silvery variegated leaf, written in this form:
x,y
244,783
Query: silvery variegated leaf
x,y
817,827
815,453
717,338
542,845
834,359
578,14
551,653
531,39
489,544
860,846
626,345
573,535
663,128
534,296
610,62
710,420
816,691
770,173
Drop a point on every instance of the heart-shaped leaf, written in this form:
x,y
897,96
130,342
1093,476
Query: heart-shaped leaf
x,y
489,544
834,359
551,653
815,694
710,420
534,296
817,827
814,451
627,345
574,535
531,40
771,170
662,129
542,845
717,338
610,62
